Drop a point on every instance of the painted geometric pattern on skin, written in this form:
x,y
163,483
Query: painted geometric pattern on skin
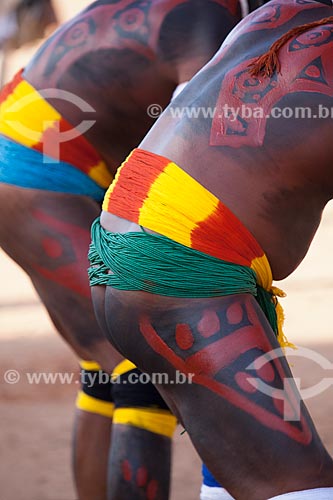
x,y
270,16
229,338
276,14
117,25
64,257
139,478
137,466
310,69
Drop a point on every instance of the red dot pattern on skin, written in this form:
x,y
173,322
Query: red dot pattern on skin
x,y
152,489
242,381
141,476
234,314
209,324
69,273
312,71
222,353
52,247
126,470
184,336
265,372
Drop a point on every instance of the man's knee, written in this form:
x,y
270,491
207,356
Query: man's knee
x,y
95,395
138,403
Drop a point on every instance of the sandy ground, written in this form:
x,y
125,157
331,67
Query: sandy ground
x,y
36,420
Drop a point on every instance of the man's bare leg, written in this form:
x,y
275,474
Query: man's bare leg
x,y
140,464
142,431
48,235
92,438
214,341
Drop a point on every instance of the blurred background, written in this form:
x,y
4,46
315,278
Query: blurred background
x,y
36,420
24,24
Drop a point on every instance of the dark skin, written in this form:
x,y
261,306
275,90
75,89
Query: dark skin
x,y
138,462
92,58
120,57
279,456
49,242
276,177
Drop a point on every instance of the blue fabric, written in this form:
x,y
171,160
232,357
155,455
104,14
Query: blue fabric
x,y
28,168
208,478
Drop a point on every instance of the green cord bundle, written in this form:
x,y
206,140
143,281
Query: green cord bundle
x,y
159,265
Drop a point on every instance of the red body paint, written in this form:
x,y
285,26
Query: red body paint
x,y
126,470
141,477
209,323
152,490
114,26
234,314
306,66
66,247
208,361
243,382
184,336
52,247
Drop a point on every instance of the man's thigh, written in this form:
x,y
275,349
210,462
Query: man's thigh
x,y
48,235
237,391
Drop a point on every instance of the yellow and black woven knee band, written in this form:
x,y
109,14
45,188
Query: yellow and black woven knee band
x,y
129,392
139,404
90,365
93,405
153,420
124,366
95,395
